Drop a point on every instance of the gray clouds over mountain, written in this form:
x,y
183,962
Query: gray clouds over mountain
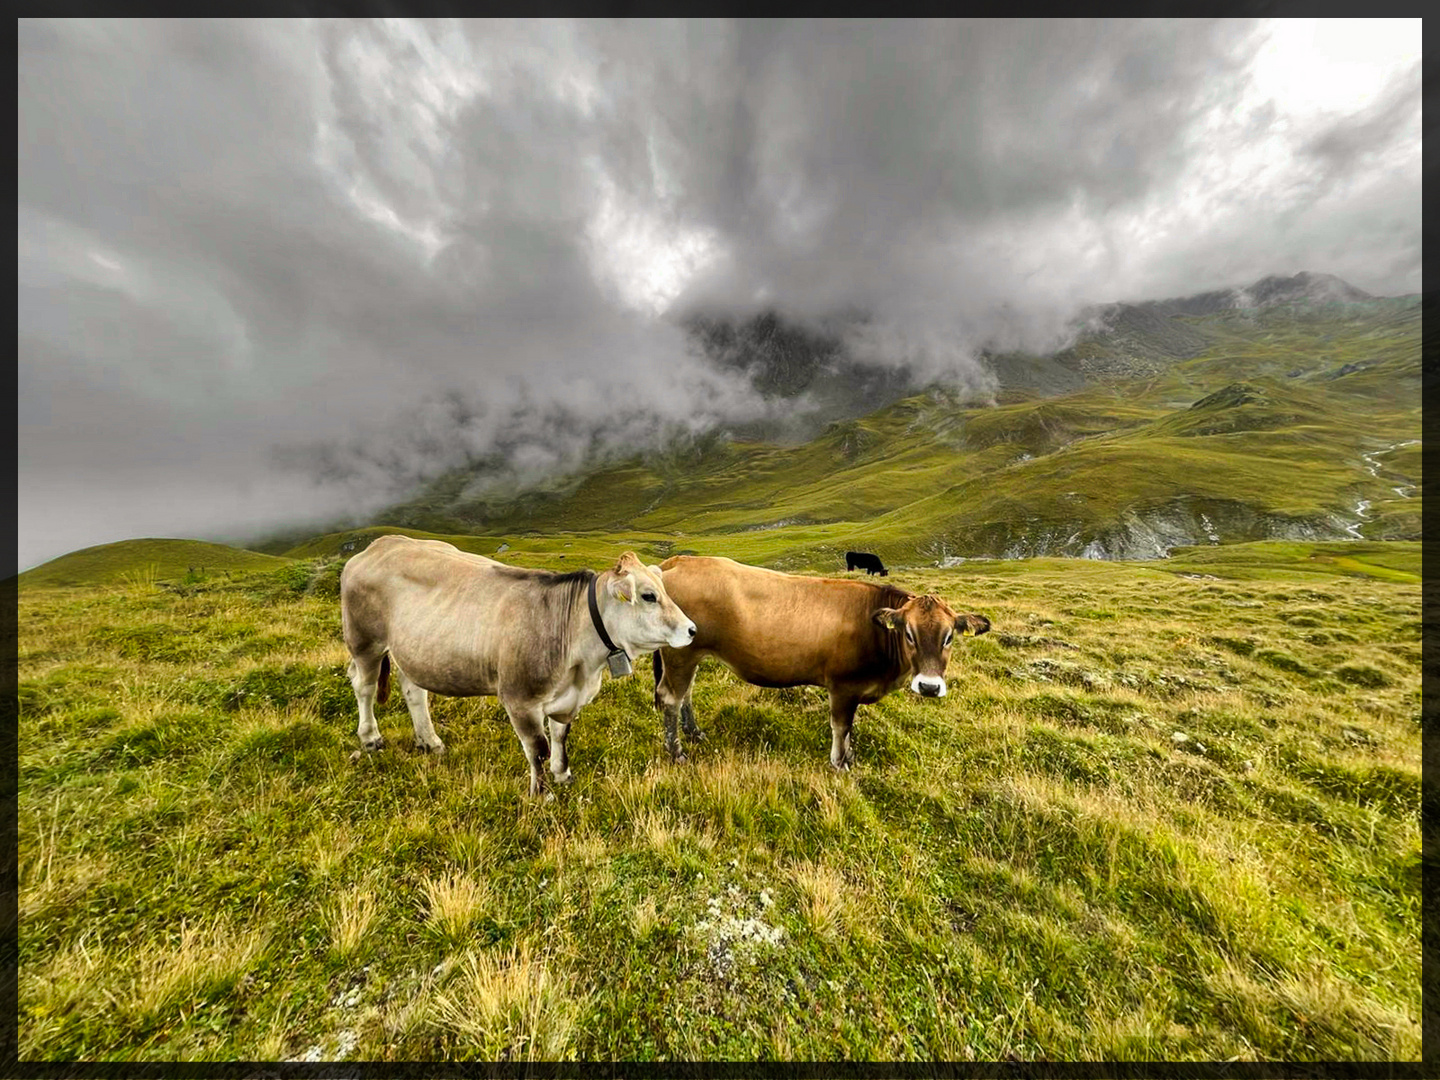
x,y
397,247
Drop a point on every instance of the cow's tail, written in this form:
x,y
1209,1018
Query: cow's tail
x,y
382,688
658,666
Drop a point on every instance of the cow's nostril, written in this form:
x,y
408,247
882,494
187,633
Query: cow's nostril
x,y
692,630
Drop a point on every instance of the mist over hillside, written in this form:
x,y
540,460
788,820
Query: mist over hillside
x,y
1253,413
787,379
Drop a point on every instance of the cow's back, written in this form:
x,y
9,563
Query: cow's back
x,y
439,611
774,629
397,572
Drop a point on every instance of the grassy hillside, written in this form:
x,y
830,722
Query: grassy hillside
x,y
1291,423
1157,817
144,559
1393,561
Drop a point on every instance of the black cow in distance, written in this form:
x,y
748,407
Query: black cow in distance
x,y
863,560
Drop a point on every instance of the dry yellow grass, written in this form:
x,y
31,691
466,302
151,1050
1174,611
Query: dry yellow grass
x,y
451,903
205,957
349,917
823,899
512,1007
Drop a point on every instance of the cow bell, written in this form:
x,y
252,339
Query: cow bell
x,y
619,661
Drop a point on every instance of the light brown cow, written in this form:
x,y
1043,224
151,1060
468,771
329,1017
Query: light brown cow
x,y
857,639
462,624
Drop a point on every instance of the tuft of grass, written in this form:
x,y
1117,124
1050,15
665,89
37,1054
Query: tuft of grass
x,y
349,919
453,903
514,1007
206,962
823,897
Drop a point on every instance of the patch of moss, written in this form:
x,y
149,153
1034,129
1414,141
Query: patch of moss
x,y
327,688
1364,675
1284,662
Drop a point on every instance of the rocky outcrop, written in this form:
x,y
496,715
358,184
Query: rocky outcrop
x,y
1142,533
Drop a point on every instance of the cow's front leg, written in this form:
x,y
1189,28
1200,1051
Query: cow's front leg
x,y
417,700
842,719
528,720
559,756
687,720
672,737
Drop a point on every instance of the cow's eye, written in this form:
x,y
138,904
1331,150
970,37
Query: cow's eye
x,y
909,634
648,597
948,635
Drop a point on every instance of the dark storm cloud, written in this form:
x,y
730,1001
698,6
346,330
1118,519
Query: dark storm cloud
x,y
256,254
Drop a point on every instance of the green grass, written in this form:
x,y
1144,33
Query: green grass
x,y
145,560
1394,561
1034,866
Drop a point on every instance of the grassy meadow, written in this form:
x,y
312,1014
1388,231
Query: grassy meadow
x,y
1167,811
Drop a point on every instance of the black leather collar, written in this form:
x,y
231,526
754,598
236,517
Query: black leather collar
x,y
600,626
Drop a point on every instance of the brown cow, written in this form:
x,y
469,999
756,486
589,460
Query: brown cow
x,y
857,639
465,625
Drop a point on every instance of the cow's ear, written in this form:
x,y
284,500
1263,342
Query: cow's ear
x,y
968,625
622,587
887,617
627,562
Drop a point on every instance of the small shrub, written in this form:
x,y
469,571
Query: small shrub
x,y
324,579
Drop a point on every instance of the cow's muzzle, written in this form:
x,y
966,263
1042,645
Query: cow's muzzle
x,y
928,686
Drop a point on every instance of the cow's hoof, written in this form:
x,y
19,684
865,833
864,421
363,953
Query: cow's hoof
x,y
377,743
679,758
567,778
842,766
438,749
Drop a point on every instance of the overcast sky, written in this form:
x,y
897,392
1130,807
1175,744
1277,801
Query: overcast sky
x,y
245,247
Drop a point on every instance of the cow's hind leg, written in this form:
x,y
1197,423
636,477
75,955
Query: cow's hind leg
x,y
417,700
842,720
528,720
559,757
675,674
364,674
